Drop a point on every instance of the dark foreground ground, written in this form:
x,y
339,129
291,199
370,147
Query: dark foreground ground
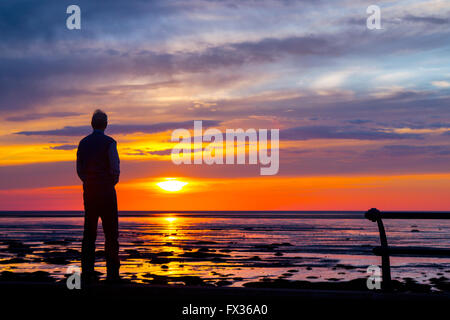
x,y
173,302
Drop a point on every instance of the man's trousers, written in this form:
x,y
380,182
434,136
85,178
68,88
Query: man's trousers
x,y
100,201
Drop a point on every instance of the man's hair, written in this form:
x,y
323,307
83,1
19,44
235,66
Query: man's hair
x,y
99,120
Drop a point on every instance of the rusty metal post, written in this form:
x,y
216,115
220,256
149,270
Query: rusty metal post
x,y
374,215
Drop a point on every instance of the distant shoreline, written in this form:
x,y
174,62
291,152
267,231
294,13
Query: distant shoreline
x,y
267,214
197,214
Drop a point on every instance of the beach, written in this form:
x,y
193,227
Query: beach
x,y
300,250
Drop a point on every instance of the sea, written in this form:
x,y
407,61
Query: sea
x,y
225,248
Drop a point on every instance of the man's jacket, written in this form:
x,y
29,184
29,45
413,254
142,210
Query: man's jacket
x,y
97,160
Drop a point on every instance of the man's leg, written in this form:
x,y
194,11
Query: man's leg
x,y
110,224
89,236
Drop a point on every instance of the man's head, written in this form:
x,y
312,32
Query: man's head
x,y
99,120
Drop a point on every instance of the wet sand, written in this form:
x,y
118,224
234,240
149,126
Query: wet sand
x,y
303,253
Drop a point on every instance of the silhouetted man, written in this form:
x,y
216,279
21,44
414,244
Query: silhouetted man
x,y
98,168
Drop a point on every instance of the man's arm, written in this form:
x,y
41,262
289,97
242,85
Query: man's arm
x,y
80,165
114,162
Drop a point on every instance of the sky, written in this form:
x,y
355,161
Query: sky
x,y
364,115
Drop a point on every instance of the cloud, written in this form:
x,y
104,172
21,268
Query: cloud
x,y
165,152
64,147
389,77
332,80
78,73
330,132
139,152
441,84
71,69
427,19
412,150
421,125
38,116
359,121
63,173
120,128
26,23
66,131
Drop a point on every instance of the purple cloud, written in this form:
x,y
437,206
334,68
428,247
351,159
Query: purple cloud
x,y
37,116
412,150
119,128
331,132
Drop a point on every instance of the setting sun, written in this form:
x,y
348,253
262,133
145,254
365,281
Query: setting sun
x,y
171,185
